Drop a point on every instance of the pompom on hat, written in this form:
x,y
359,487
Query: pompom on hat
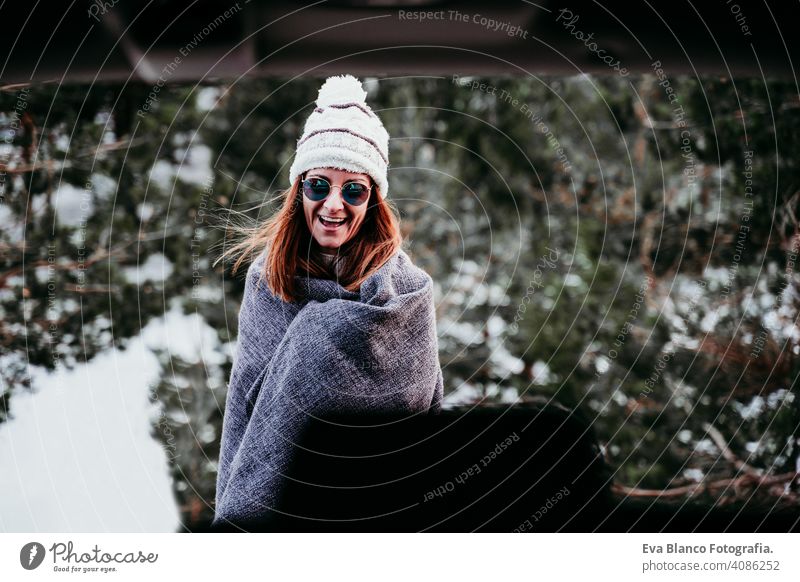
x,y
342,132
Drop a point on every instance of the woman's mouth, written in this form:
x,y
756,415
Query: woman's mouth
x,y
329,223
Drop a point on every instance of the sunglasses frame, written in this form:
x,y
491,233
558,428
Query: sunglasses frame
x,y
331,187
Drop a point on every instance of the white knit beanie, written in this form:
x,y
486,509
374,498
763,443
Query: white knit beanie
x,y
343,132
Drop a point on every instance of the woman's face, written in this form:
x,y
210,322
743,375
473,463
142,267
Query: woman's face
x,y
330,235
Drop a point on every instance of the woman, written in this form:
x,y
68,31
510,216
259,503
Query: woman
x,y
335,317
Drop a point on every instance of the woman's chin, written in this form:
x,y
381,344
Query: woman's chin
x,y
330,241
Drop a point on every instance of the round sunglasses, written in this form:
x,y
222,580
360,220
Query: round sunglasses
x,y
354,193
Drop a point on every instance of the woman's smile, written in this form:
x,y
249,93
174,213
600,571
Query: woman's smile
x,y
332,222
331,230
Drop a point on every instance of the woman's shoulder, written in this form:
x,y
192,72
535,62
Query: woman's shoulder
x,y
406,276
406,263
258,264
258,275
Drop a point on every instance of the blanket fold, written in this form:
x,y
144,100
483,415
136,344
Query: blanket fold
x,y
369,351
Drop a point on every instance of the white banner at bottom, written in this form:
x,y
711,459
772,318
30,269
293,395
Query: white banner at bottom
x,y
351,557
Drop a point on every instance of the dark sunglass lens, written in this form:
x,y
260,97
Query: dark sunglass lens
x,y
355,193
316,189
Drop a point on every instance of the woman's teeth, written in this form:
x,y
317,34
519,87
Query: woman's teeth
x,y
332,221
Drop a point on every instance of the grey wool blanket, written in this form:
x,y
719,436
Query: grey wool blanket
x,y
369,351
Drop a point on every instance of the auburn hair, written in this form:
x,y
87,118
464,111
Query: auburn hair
x,y
287,240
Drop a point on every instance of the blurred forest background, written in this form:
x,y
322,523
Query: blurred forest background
x,y
622,248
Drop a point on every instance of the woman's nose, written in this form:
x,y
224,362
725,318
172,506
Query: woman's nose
x,y
334,200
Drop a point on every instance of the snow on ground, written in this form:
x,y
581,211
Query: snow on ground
x,y
78,456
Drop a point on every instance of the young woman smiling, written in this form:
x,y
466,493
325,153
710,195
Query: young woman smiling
x,y
335,316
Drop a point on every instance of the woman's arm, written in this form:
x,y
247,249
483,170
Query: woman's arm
x,y
234,420
259,334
